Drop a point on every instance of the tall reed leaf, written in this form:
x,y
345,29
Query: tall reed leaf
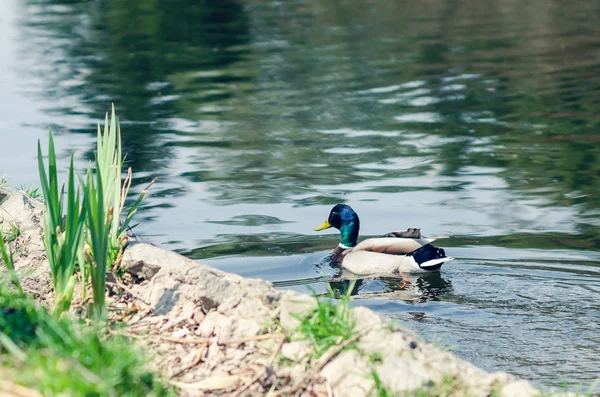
x,y
62,240
98,237
109,162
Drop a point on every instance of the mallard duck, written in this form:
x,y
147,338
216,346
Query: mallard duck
x,y
396,252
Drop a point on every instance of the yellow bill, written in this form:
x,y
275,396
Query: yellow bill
x,y
324,226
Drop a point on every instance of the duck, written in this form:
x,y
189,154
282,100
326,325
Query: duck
x,y
395,252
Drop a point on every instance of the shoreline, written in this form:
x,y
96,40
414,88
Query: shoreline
x,y
216,333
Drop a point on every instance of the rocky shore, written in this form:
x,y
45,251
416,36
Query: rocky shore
x,y
213,333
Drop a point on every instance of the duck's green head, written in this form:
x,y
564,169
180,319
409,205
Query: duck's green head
x,y
344,218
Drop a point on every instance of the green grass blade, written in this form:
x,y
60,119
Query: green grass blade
x,y
53,178
11,347
134,207
45,184
7,258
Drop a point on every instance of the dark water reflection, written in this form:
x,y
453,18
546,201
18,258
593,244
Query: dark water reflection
x,y
474,119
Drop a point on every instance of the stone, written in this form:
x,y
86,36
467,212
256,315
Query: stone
x,y
296,350
519,388
391,343
227,328
349,375
414,374
145,260
365,318
18,209
291,306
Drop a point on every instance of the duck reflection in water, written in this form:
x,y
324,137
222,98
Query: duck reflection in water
x,y
413,288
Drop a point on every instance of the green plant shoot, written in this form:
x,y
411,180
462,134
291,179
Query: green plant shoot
x,y
109,162
7,258
328,323
98,237
62,240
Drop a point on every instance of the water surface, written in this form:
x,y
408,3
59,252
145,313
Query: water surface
x,y
475,119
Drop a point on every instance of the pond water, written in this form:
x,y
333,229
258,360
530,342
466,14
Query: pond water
x,y
473,119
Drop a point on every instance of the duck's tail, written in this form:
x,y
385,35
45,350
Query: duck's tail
x,y
433,238
429,257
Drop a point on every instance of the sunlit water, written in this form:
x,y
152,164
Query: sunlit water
x,y
475,119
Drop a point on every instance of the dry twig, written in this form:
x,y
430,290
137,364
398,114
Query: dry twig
x,y
259,373
14,390
197,360
335,350
201,341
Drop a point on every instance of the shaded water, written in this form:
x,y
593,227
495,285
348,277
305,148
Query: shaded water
x,y
474,119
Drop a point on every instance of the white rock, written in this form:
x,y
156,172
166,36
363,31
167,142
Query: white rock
x,y
296,350
519,388
293,305
402,375
348,375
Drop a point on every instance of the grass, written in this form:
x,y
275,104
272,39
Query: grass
x,y
379,390
63,239
63,357
445,388
13,232
32,192
329,324
7,257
